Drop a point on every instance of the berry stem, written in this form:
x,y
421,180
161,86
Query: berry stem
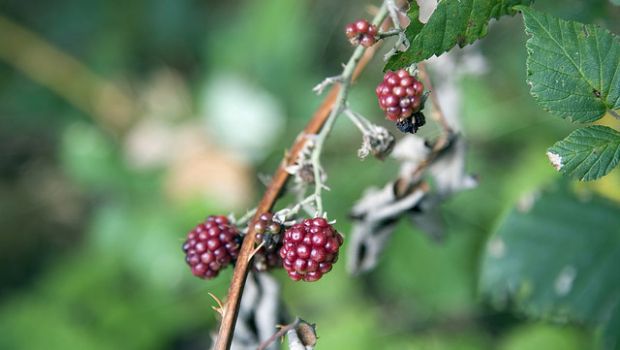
x,y
393,10
286,213
359,121
389,33
366,127
231,310
339,106
245,218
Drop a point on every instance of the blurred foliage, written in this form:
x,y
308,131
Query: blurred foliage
x,y
92,223
523,268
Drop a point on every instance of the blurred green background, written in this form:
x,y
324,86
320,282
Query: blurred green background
x,y
123,124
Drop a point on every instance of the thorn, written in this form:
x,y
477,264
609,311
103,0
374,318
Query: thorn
x,y
318,89
231,218
220,306
256,249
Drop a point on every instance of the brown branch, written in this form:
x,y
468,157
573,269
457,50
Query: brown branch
x,y
278,181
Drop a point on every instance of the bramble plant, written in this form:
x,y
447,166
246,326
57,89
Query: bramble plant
x,y
536,260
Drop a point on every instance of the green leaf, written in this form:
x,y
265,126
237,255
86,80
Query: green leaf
x,y
557,258
573,68
611,332
587,153
454,22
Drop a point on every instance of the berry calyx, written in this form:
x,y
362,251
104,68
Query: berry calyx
x,y
211,246
400,95
268,232
309,249
361,32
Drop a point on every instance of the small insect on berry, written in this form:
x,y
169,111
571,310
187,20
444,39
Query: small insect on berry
x,y
362,33
309,249
400,95
412,123
211,246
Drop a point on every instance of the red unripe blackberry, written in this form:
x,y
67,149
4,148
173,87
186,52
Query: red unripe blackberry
x,y
309,249
211,246
267,232
361,32
399,95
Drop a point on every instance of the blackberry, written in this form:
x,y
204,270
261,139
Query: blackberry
x,y
399,95
309,249
267,232
362,33
211,246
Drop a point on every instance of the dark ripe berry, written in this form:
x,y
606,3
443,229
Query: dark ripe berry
x,y
412,123
400,96
309,249
268,232
361,32
211,246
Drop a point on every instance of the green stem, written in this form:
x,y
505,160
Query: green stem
x,y
345,83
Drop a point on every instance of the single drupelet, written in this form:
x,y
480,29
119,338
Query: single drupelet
x,y
401,96
362,33
211,246
309,249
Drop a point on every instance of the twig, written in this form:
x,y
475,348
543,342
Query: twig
x,y
318,89
108,104
280,333
286,213
359,121
235,291
389,33
614,114
245,218
393,10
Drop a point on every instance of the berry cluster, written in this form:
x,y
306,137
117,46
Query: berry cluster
x,y
267,232
362,33
309,249
400,95
211,246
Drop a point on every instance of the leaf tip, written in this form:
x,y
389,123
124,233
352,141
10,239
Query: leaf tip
x,y
555,159
520,7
